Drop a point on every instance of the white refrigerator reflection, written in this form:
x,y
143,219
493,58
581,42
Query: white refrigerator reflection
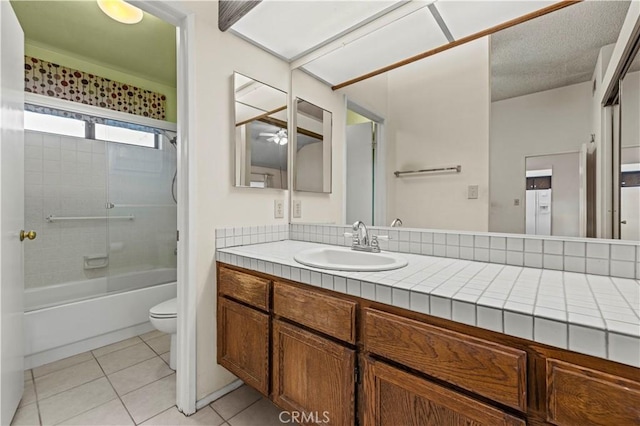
x,y
538,214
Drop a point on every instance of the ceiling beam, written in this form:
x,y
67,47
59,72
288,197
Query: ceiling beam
x,y
398,13
230,11
546,10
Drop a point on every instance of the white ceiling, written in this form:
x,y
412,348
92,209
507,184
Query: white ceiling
x,y
293,29
555,50
411,35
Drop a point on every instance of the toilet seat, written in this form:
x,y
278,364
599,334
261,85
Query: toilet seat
x,y
165,310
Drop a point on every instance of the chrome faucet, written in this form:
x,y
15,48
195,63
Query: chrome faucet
x,y
396,222
361,241
361,233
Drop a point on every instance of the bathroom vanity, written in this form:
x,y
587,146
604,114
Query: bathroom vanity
x,y
345,359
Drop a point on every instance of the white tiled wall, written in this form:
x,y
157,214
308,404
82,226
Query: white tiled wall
x,y
599,257
67,176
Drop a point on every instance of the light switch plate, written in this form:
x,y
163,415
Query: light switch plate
x,y
278,209
297,209
472,192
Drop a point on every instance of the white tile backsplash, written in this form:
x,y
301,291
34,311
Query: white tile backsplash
x,y
598,250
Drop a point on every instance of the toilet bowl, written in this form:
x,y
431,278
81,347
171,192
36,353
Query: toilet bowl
x,y
164,318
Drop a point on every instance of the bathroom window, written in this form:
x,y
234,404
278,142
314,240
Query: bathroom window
x,y
62,122
124,135
54,124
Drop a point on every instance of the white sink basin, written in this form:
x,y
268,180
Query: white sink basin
x,y
345,259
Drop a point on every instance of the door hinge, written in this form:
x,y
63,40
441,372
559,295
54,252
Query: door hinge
x,y
177,235
356,374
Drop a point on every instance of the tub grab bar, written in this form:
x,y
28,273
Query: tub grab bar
x,y
52,218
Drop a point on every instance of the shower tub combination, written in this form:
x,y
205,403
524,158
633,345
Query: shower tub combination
x,y
102,311
109,207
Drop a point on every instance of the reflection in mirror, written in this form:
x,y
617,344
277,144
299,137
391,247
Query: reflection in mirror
x,y
312,148
537,110
260,134
545,94
628,169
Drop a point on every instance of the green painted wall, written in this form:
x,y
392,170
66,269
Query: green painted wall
x,y
355,118
73,61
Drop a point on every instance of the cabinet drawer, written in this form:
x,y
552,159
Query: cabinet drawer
x,y
327,314
486,368
243,343
396,397
581,396
244,287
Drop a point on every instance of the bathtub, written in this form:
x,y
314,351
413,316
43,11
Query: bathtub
x,y
101,311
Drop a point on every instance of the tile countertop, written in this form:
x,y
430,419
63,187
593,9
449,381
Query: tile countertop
x,y
590,314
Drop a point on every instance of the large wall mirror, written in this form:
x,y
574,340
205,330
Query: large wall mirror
x,y
261,134
503,130
312,144
627,157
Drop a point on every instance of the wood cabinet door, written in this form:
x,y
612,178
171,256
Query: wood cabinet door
x,y
243,343
579,396
392,397
313,377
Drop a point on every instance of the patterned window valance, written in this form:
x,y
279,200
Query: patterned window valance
x,y
49,79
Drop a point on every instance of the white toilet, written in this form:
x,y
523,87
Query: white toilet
x,y
164,318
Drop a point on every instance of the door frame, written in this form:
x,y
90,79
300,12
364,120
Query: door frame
x,y
184,21
380,166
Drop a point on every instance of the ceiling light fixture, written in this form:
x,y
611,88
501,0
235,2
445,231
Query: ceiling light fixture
x,y
121,11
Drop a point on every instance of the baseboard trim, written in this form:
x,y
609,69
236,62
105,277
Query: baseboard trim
x,y
61,352
218,394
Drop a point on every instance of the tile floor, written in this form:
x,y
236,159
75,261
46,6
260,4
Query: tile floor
x,y
127,383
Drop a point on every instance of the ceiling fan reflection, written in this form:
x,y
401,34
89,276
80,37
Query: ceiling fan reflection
x,y
279,137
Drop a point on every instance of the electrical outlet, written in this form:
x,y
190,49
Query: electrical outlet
x,y
278,209
472,192
297,209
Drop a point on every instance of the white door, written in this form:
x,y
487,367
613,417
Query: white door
x,y
360,173
11,211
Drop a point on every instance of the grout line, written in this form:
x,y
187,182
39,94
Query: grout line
x,y
117,350
73,387
114,390
35,391
82,412
243,410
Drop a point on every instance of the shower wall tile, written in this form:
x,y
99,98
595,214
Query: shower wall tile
x,y
68,176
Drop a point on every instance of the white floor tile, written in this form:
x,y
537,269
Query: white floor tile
x,y
75,401
29,393
236,401
262,413
139,375
116,346
26,416
160,344
152,399
172,417
67,378
62,364
151,335
112,413
119,360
